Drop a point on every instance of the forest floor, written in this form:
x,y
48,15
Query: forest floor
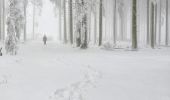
x,y
57,72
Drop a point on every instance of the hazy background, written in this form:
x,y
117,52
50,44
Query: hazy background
x,y
46,23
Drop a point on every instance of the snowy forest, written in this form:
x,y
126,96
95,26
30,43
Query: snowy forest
x,y
84,50
108,23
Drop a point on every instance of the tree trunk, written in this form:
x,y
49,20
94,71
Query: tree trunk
x,y
71,23
33,26
148,15
160,22
60,10
167,25
155,36
25,19
134,24
152,25
3,34
65,29
100,22
95,27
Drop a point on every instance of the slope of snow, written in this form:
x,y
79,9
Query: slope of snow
x,y
57,72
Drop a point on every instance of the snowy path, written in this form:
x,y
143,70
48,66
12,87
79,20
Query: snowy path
x,y
38,72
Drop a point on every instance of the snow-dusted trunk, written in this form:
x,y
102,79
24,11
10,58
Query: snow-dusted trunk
x,y
33,22
148,17
167,24
71,23
11,40
95,27
60,18
65,26
84,31
2,19
134,24
100,22
115,22
3,26
25,20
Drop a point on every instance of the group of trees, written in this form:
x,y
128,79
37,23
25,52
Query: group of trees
x,y
13,19
93,21
119,14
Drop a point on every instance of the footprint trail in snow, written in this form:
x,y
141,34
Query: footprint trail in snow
x,y
78,90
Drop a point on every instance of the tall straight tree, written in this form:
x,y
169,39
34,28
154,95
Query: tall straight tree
x,y
134,24
155,33
167,24
115,21
148,17
60,17
25,19
71,22
65,26
100,22
160,22
152,25
33,21
4,18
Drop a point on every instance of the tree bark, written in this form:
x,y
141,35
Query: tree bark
x,y
148,15
25,18
60,10
152,25
100,22
167,25
71,23
160,22
134,24
33,26
3,34
65,26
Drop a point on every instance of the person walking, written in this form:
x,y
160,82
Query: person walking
x,y
45,39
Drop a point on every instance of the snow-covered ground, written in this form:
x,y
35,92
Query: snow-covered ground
x,y
57,72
